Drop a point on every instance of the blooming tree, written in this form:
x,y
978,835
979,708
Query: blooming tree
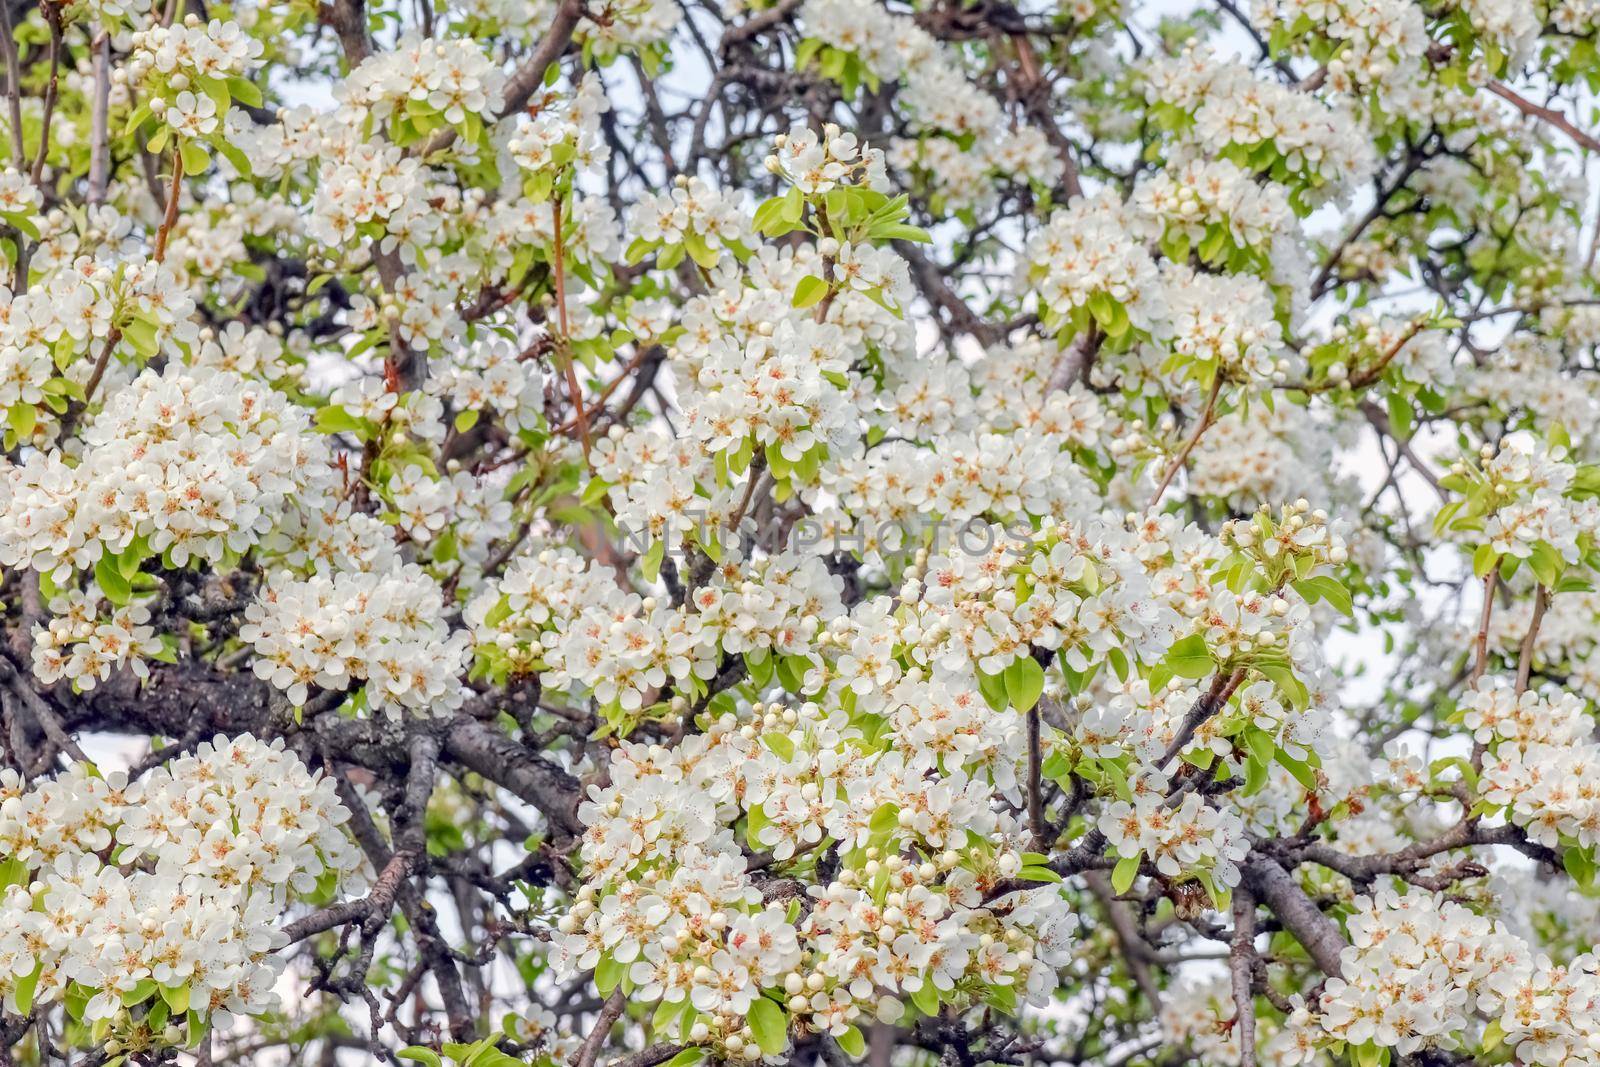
x,y
654,533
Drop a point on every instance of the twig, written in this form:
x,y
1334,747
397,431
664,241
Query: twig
x,y
1207,416
8,47
565,344
23,690
1241,967
99,138
170,219
530,75
52,17
99,371
1481,658
1127,935
1541,601
1546,115
1035,95
757,24
610,1011
1035,779
1222,689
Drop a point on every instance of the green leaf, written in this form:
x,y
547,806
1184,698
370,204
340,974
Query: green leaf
x,y
853,1044
1326,587
1123,874
1580,864
1035,873
245,91
770,1024
240,161
1284,678
108,573
769,216
1493,1034
21,419
1546,562
1259,742
1483,561
810,291
900,231
25,989
780,745
195,159
1400,416
699,251
139,993
608,975
1300,769
650,563
177,998
993,688
1189,658
926,999
687,1057
335,419
1255,776
1024,680
794,206
142,335
13,872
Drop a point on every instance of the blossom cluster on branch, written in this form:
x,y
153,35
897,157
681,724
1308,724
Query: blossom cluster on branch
x,y
640,533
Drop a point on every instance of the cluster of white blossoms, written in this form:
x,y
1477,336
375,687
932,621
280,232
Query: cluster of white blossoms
x,y
1369,344
1543,765
384,629
923,909
942,101
77,643
208,852
1249,457
1527,485
835,573
1198,1015
965,179
188,464
376,189
1226,324
1564,644
424,506
691,208
1216,207
449,75
492,375
177,57
816,163
611,27
76,306
1508,25
1528,372
1186,840
902,489
556,613
1220,108
776,387
1071,597
562,122
1421,970
19,197
1096,247
1380,43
